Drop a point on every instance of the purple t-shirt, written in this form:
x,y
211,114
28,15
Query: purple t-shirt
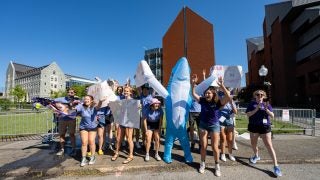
x,y
257,118
145,102
153,116
209,111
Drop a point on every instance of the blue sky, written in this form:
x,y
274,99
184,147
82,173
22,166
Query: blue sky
x,y
106,38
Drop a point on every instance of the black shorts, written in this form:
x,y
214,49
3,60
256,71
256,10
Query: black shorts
x,y
153,125
260,129
88,129
194,117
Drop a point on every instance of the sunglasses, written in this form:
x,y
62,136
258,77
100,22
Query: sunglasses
x,y
259,94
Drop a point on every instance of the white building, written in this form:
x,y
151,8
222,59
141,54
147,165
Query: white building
x,y
41,81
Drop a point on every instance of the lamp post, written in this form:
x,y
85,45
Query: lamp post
x,y
263,71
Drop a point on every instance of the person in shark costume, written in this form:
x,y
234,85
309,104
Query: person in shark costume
x,y
178,101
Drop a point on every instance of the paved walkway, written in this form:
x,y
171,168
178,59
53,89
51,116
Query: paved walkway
x,y
34,159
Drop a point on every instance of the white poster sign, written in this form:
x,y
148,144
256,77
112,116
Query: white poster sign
x,y
102,91
231,75
285,115
126,112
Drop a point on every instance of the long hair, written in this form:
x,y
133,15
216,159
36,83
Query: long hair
x,y
212,89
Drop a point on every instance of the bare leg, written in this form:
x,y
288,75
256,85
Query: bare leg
x,y
268,143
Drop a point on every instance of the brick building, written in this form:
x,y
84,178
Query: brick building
x,y
190,36
290,49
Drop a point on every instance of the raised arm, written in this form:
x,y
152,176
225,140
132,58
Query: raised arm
x,y
234,108
193,83
226,98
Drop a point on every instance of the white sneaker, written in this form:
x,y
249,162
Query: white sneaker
x,y
232,158
92,160
235,147
84,161
202,167
137,144
158,158
147,157
223,157
217,170
60,153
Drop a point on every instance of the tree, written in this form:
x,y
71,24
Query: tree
x,y
80,90
60,93
18,93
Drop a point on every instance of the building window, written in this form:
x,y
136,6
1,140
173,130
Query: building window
x,y
55,86
55,79
54,72
45,84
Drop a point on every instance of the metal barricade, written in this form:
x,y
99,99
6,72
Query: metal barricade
x,y
285,120
26,122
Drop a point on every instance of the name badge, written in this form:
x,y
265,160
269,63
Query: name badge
x,y
222,119
265,121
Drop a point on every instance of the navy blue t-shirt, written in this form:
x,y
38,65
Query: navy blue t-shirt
x,y
257,118
209,111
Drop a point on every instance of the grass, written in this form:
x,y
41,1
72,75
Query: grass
x,y
278,126
25,123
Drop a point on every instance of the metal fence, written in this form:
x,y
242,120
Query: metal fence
x,y
299,120
27,122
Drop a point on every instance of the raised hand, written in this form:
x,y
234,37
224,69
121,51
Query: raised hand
x,y
220,82
194,78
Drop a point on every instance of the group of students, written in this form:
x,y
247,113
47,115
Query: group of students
x,y
213,112
97,120
216,119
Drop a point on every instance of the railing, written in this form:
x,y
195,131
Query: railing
x,y
286,120
27,122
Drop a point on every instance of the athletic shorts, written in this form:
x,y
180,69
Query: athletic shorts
x,y
89,129
260,129
153,126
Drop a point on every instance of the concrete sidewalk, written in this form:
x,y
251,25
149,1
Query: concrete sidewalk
x,y
33,159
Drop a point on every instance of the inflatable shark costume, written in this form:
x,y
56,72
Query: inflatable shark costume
x,y
178,102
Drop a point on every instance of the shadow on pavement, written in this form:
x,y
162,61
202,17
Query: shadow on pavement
x,y
244,161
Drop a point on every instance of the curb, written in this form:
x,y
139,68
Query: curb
x,y
101,170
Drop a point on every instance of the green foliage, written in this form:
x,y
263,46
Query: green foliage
x,y
5,104
80,90
60,93
18,93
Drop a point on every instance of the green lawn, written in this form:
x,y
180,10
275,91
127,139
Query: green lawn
x,y
39,123
25,123
278,127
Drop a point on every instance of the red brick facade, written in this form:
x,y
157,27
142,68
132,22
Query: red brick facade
x,y
192,36
295,80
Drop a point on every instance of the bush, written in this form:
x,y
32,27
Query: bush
x,y
4,104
